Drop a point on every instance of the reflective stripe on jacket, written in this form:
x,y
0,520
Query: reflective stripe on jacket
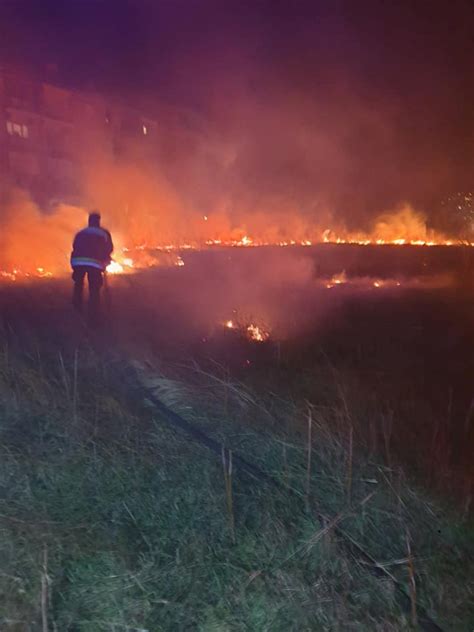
x,y
87,261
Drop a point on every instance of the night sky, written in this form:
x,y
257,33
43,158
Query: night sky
x,y
354,106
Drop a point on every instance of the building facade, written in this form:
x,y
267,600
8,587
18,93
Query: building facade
x,y
48,135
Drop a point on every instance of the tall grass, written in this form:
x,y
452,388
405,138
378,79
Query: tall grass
x,y
112,520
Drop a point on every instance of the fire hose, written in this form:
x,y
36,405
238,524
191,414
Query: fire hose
x,y
175,420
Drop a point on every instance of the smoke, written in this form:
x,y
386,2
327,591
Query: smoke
x,y
403,224
271,157
284,292
262,108
273,123
145,201
32,241
144,210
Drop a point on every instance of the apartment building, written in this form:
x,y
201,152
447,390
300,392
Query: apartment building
x,y
48,133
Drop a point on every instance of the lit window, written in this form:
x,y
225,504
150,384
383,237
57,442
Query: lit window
x,y
15,129
145,129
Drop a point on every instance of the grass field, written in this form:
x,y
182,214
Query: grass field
x,y
112,519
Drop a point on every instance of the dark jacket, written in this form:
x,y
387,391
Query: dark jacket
x,y
92,247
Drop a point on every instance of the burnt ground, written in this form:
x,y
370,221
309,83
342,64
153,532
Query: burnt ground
x,y
400,354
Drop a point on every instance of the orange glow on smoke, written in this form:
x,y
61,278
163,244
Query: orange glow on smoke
x,y
33,244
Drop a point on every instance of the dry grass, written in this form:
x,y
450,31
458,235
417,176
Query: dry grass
x,y
112,520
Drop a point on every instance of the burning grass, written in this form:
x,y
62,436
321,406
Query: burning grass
x,y
251,331
43,250
367,282
111,519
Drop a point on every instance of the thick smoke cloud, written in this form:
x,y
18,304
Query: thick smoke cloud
x,y
330,110
278,120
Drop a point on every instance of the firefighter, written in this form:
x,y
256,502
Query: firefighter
x,y
91,254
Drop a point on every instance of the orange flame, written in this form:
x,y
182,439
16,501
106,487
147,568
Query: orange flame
x,y
42,243
253,332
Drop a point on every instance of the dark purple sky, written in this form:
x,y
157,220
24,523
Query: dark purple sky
x,y
355,105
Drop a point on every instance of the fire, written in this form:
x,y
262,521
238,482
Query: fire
x,y
331,238
337,279
342,279
256,333
126,264
363,283
17,274
114,268
10,276
41,272
402,228
328,237
252,332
